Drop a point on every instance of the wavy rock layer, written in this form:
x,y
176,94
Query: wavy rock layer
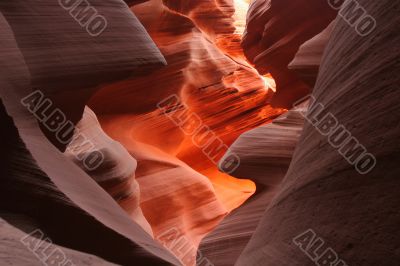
x,y
235,95
179,203
213,17
274,32
75,65
37,180
272,144
35,183
228,96
182,195
265,154
116,173
68,67
349,211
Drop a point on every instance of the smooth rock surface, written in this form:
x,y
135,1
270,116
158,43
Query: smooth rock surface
x,y
201,75
41,183
65,60
308,59
356,215
116,171
274,32
265,154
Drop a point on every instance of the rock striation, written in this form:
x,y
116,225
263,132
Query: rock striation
x,y
115,173
69,67
37,180
200,74
157,196
354,214
274,32
265,154
308,59
179,203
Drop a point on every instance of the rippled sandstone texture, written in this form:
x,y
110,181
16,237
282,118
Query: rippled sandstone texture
x,y
265,154
116,172
70,70
212,82
67,67
356,215
320,190
37,180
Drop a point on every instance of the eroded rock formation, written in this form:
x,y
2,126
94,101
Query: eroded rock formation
x,y
67,67
265,154
212,81
275,30
174,199
37,180
354,214
308,59
115,173
198,70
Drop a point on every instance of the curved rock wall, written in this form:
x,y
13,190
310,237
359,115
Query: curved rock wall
x,y
354,214
308,59
116,173
65,60
37,180
172,195
274,32
227,95
265,154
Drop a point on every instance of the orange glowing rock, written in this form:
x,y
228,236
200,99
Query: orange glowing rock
x,y
207,70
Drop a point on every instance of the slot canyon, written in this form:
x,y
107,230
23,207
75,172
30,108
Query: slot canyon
x,y
199,132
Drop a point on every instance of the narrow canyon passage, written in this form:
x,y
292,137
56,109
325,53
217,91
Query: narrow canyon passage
x,y
214,82
199,132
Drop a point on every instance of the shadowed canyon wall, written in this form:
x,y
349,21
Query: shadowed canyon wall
x,y
265,154
275,31
354,214
160,195
37,180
